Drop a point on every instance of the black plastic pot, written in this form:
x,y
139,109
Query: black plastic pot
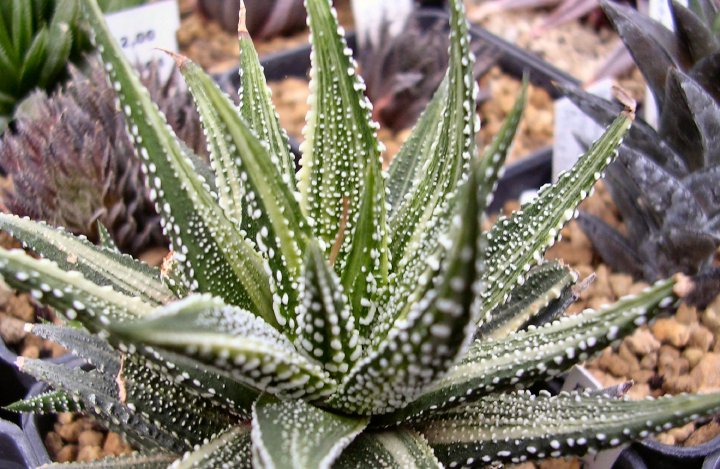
x,y
16,452
14,383
650,454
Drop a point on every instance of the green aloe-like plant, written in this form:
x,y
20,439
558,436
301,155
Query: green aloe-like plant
x,y
346,317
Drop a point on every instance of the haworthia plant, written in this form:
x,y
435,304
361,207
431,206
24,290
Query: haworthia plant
x,y
346,318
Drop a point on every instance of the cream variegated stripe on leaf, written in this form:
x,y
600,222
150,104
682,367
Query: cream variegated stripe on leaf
x,y
516,243
292,434
233,340
421,346
215,256
340,181
401,448
275,224
529,356
512,428
99,265
256,106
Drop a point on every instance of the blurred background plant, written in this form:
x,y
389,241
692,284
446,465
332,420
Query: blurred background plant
x,y
265,18
38,38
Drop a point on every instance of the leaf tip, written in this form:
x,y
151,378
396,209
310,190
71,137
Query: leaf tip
x,y
180,60
623,96
684,285
242,23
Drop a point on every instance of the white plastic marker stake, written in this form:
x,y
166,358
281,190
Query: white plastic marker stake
x,y
141,31
571,123
370,15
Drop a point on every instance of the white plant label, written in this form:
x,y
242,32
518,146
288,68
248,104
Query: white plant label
x,y
570,124
143,30
371,15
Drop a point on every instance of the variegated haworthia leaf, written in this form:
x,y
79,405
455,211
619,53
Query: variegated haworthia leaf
x,y
216,257
512,428
326,326
401,448
272,217
230,449
544,284
105,239
422,344
340,181
69,293
47,403
256,105
532,355
131,461
99,265
294,434
518,242
233,340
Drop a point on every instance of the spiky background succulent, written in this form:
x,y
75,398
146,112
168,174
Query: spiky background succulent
x,y
403,71
266,18
665,181
73,164
346,318
37,40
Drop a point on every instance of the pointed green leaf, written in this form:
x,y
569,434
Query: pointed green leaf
x,y
341,183
252,189
536,354
428,338
216,257
400,448
231,449
130,461
449,155
511,428
105,238
518,242
69,293
257,108
99,265
232,340
91,347
544,284
295,434
47,403
326,327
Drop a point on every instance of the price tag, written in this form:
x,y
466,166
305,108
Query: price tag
x,y
141,31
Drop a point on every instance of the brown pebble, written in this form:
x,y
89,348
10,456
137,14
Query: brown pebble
x,y
682,433
70,431
639,391
53,443
11,329
670,331
675,384
89,453
628,357
707,373
704,434
31,351
620,284
649,361
700,337
686,314
693,355
115,445
642,342
90,438
559,464
65,417
20,307
67,454
641,376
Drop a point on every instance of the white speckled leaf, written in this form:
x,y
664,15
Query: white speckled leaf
x,y
257,109
50,402
232,340
518,242
230,449
100,265
255,194
544,284
536,354
553,426
426,339
400,448
69,293
216,258
295,434
326,326
341,182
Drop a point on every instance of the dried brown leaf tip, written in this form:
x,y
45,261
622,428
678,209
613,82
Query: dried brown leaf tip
x,y
623,96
